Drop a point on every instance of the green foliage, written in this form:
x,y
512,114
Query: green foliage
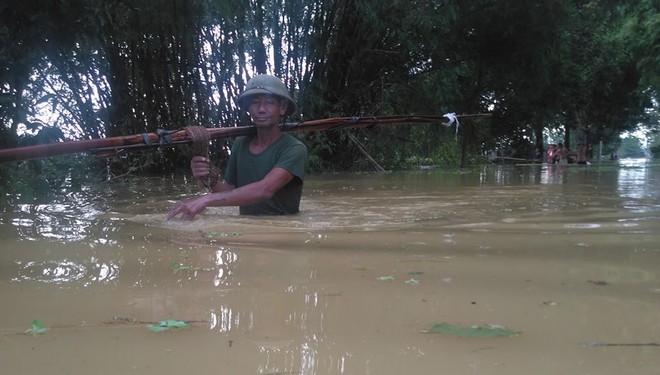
x,y
604,94
631,147
127,67
655,151
639,29
447,154
654,144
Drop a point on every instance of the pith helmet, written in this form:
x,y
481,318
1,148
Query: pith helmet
x,y
266,84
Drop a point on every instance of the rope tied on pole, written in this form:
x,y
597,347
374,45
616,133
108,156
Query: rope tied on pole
x,y
200,139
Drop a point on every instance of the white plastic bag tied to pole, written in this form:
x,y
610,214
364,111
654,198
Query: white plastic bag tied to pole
x,y
452,119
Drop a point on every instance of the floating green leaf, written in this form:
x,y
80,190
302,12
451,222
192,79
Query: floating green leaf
x,y
210,235
412,282
385,278
166,325
37,328
415,273
213,235
488,330
177,267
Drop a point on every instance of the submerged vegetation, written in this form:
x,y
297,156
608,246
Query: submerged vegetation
x,y
584,71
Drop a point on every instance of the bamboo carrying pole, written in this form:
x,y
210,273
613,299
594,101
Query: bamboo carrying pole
x,y
104,147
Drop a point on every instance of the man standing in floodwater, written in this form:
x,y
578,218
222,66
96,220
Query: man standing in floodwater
x,y
550,154
265,171
581,153
561,154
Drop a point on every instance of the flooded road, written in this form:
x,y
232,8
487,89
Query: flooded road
x,y
563,257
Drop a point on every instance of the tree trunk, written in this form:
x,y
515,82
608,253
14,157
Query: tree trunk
x,y
538,137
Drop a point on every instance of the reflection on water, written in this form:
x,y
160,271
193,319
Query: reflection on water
x,y
65,271
636,181
57,222
565,254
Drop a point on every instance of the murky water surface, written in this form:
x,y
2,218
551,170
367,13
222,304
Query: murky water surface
x,y
566,257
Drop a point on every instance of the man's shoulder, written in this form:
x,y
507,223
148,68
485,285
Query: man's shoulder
x,y
288,143
291,140
239,142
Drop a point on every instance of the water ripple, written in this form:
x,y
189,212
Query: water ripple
x,y
67,271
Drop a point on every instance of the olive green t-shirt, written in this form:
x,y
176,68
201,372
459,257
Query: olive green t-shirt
x,y
245,167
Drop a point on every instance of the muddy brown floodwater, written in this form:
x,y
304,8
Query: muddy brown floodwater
x,y
567,256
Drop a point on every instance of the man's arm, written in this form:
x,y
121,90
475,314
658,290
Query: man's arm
x,y
254,192
249,194
222,186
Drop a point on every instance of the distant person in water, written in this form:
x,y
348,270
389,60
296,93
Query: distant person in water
x,y
265,171
581,153
561,154
538,155
550,155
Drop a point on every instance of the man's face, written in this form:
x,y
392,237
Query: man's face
x,y
266,110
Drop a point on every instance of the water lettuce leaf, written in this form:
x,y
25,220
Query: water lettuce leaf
x,y
177,267
488,330
37,328
166,325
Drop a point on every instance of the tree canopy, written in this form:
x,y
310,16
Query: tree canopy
x,y
81,69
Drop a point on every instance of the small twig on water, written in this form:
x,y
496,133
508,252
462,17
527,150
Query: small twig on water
x,y
591,344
